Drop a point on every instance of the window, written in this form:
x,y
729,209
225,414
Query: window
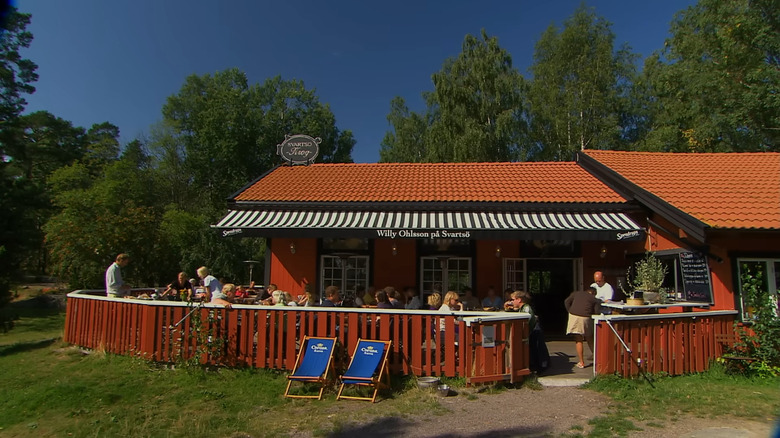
x,y
767,274
348,273
444,274
514,274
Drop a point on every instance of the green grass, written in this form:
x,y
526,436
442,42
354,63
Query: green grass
x,y
30,323
711,394
52,389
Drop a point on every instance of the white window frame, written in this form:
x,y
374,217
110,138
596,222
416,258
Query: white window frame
x,y
346,285
508,282
440,268
773,288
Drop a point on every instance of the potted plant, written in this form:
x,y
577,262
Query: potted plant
x,y
645,284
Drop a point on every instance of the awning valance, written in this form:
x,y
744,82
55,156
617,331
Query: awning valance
x,y
430,224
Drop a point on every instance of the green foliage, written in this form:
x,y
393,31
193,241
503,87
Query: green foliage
x,y
474,113
761,338
648,275
715,82
222,132
101,217
580,94
16,77
16,73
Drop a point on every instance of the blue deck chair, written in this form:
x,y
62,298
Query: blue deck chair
x,y
313,365
368,367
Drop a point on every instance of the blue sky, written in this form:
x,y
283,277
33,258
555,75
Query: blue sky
x,y
119,60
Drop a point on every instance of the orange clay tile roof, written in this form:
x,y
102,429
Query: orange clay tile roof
x,y
723,190
564,182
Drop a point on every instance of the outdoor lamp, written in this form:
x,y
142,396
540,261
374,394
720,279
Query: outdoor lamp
x,y
498,250
603,252
292,248
395,249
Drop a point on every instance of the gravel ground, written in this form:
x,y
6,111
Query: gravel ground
x,y
540,413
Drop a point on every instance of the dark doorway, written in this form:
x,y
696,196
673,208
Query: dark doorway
x,y
550,281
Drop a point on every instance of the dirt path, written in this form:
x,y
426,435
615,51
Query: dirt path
x,y
539,413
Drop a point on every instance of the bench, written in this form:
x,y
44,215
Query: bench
x,y
727,341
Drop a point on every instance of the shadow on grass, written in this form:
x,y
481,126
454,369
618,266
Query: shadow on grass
x,y
21,347
395,426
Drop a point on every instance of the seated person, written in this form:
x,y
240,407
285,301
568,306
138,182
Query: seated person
x,y
331,297
434,301
492,300
225,296
241,292
470,302
289,300
179,290
279,298
412,300
382,301
309,298
392,298
369,299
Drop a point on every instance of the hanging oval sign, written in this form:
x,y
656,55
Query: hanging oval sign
x,y
299,149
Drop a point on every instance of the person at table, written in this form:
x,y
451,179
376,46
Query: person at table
x,y
210,282
469,301
392,297
369,298
434,301
382,300
412,299
224,296
581,305
309,297
180,289
451,304
115,286
604,290
492,301
331,297
521,302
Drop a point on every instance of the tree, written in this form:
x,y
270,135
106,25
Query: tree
x,y
406,142
16,73
102,216
473,114
16,77
219,132
225,131
579,95
38,144
715,84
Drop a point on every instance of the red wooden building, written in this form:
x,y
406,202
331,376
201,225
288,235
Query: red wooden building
x,y
542,227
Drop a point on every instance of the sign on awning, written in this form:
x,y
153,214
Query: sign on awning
x,y
430,224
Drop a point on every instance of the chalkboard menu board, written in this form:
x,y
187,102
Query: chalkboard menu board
x,y
696,277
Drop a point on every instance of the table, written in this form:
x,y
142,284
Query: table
x,y
622,307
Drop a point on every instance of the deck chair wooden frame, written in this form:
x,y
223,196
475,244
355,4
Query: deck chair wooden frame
x,y
314,369
378,378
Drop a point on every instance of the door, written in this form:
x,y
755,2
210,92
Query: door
x,y
550,281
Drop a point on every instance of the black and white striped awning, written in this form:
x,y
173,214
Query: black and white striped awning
x,y
424,224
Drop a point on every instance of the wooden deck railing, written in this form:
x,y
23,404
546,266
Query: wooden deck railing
x,y
269,337
674,343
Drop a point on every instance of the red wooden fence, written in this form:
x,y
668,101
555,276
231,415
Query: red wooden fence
x,y
269,337
674,343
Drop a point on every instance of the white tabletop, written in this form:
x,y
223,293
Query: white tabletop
x,y
623,306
